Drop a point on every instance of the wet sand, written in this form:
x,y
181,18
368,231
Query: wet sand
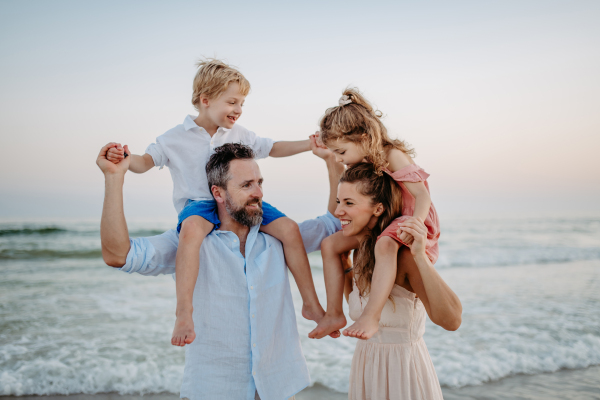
x,y
583,384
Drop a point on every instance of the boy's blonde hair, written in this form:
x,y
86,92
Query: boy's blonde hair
x,y
213,78
352,121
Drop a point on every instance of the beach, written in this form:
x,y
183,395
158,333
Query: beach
x,y
72,326
567,384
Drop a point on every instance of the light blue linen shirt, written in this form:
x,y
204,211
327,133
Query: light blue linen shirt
x,y
246,335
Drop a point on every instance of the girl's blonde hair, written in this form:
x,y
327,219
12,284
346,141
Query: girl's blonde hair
x,y
360,123
213,78
381,188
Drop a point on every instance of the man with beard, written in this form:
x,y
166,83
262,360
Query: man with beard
x,y
247,345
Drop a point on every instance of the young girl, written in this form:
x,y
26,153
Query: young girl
x,y
354,132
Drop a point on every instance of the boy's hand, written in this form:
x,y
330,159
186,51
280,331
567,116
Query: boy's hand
x,y
115,154
110,167
317,147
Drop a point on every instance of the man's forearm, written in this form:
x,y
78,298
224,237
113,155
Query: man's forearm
x,y
286,149
114,235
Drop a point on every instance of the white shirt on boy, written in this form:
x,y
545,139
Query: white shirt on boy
x,y
186,150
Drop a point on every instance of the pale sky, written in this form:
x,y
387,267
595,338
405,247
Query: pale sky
x,y
501,100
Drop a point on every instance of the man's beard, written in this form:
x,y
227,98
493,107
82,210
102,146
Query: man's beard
x,y
241,215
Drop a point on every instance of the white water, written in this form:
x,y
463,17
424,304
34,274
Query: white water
x,y
69,324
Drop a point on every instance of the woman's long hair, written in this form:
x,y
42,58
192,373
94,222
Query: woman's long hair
x,y
381,189
353,120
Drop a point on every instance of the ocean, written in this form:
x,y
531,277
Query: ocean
x,y
530,289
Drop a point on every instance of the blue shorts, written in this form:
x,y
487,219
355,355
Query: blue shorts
x,y
207,209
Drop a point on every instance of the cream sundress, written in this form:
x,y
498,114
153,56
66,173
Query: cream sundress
x,y
394,364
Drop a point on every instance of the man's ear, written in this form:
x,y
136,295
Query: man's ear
x,y
218,193
378,210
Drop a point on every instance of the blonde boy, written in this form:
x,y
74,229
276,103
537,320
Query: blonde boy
x,y
219,92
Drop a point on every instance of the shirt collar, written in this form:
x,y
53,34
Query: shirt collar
x,y
189,124
253,230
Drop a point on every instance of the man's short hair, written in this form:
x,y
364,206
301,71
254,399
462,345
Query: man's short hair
x,y
217,168
213,78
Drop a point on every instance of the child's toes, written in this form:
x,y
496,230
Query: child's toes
x,y
190,338
335,334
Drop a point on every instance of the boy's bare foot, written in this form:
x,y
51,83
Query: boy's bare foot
x,y
184,331
328,325
313,312
316,313
364,328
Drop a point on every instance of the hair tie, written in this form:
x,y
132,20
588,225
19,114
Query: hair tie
x,y
345,99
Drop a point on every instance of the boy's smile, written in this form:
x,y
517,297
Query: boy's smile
x,y
226,109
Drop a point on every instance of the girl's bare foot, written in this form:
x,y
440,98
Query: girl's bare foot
x,y
364,328
184,330
328,325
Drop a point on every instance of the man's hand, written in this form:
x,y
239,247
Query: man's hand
x,y
107,166
318,148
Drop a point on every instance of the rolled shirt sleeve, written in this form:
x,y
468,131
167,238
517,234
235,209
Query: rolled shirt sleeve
x,y
153,255
158,154
261,146
313,231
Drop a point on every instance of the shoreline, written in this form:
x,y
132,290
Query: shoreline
x,y
563,384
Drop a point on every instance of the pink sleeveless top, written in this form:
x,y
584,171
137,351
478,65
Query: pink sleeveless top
x,y
414,173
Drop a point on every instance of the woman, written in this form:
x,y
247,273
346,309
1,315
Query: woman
x,y
394,363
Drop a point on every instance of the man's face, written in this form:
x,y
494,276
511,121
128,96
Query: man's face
x,y
243,197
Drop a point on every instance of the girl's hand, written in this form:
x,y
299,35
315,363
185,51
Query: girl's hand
x,y
417,229
404,236
115,154
318,148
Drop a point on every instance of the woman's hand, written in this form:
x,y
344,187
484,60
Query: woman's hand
x,y
417,229
404,236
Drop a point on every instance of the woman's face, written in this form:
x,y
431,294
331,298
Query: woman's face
x,y
355,211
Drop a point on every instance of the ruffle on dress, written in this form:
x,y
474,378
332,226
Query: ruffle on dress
x,y
410,173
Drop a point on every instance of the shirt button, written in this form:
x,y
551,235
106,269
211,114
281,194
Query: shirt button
x,y
253,373
254,345
252,315
234,240
251,287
